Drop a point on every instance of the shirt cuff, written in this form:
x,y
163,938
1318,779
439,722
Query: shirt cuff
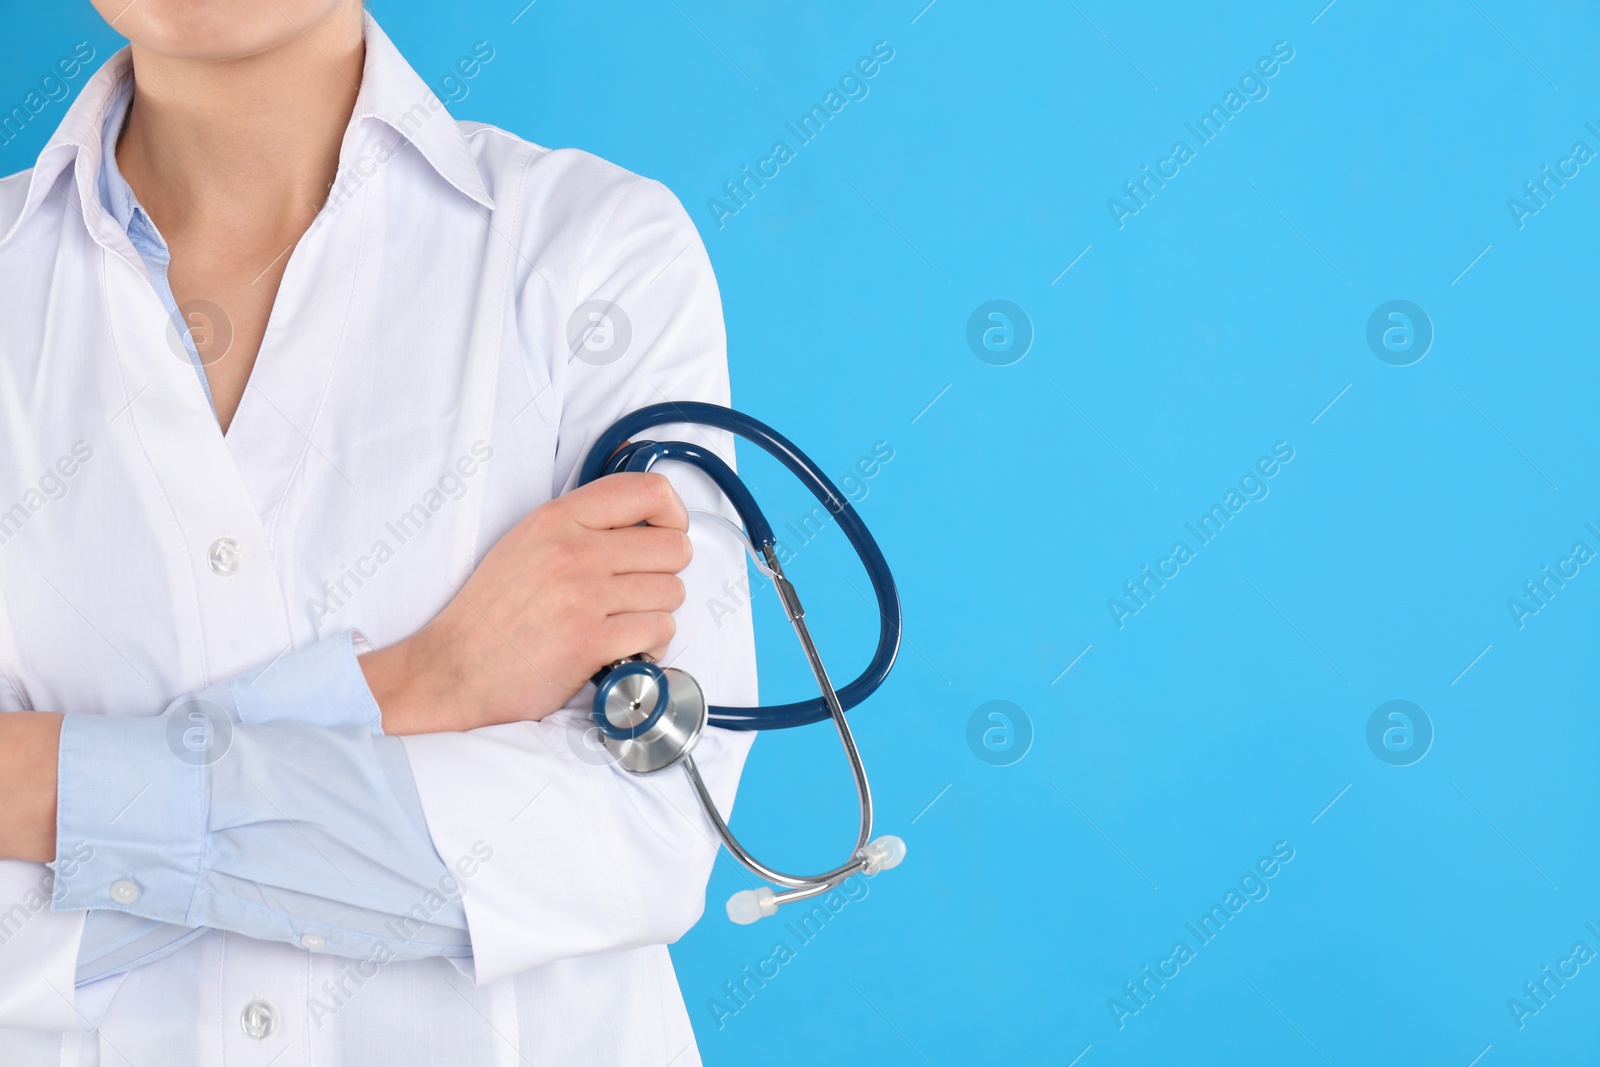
x,y
280,831
321,685
130,810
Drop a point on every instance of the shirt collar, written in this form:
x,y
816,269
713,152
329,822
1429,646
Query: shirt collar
x,y
115,194
391,92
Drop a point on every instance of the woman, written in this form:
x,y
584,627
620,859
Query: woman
x,y
295,619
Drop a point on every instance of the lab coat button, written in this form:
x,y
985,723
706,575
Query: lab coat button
x,y
312,942
124,891
224,556
259,1019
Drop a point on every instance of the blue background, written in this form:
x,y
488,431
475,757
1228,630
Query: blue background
x,y
1230,313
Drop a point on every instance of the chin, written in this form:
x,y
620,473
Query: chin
x,y
218,29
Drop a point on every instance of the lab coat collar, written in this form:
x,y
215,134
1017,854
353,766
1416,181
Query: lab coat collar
x,y
76,143
391,92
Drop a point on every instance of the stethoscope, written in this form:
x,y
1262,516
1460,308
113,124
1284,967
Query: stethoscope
x,y
650,717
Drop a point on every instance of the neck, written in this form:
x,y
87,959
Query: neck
x,y
250,144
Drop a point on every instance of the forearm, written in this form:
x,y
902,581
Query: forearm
x,y
29,743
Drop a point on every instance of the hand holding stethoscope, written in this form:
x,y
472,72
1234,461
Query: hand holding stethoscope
x,y
650,717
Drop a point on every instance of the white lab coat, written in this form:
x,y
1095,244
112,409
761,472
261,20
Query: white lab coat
x,y
424,319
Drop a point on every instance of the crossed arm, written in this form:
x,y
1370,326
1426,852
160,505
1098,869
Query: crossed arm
x,y
603,861
574,586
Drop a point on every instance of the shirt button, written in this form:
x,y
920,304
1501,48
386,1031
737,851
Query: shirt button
x,y
124,892
224,556
312,942
259,1019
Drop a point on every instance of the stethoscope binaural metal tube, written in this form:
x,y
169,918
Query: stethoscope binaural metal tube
x,y
858,771
667,733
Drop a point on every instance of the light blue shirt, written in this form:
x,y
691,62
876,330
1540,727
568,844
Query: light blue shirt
x,y
271,805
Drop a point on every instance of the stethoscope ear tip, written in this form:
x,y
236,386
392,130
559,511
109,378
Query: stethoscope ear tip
x,y
884,854
749,905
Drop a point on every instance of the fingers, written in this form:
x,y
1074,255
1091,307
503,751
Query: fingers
x,y
639,631
629,593
626,499
641,549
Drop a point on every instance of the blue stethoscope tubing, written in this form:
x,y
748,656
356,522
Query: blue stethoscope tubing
x,y
613,452
649,740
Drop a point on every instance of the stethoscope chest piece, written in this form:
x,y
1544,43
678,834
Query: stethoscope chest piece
x,y
649,717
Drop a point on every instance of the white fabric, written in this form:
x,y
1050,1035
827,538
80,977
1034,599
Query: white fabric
x,y
420,333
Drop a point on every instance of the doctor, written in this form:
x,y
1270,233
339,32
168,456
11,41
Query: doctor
x,y
295,621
